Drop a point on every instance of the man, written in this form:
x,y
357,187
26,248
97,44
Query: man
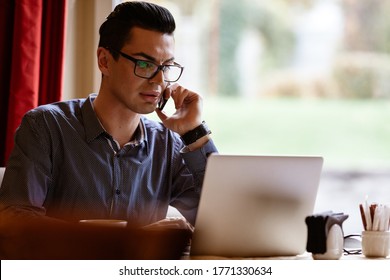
x,y
99,157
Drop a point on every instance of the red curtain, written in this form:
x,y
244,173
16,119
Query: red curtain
x,y
32,33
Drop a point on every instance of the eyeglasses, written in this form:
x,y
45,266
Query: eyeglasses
x,y
353,244
147,69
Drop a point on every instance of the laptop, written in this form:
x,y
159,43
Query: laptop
x,y
255,206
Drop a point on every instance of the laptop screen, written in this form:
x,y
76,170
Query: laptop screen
x,y
255,206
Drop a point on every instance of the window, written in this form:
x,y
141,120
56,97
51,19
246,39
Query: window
x,y
296,77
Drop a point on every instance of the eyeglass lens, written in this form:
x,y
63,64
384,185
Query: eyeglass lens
x,y
146,69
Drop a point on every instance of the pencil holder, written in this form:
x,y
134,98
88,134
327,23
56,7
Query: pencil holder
x,y
376,244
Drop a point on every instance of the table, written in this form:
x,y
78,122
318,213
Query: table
x,y
305,256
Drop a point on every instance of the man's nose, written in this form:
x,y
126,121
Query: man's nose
x,y
158,77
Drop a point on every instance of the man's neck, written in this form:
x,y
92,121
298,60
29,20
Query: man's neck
x,y
119,122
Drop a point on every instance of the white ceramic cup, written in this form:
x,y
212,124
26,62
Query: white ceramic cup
x,y
376,244
105,222
334,244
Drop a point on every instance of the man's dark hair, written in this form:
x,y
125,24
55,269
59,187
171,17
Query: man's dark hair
x,y
115,31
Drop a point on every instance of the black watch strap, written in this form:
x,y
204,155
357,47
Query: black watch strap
x,y
195,134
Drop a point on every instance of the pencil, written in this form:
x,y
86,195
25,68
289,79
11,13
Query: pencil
x,y
372,212
363,216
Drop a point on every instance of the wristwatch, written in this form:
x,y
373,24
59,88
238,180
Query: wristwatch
x,y
195,134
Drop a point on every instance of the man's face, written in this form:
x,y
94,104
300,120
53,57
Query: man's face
x,y
138,94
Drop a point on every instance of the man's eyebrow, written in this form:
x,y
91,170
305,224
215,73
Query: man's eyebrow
x,y
151,58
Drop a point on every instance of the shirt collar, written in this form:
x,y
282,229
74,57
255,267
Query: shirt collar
x,y
92,125
139,136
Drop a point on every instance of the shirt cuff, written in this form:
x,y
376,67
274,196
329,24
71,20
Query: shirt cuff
x,y
196,160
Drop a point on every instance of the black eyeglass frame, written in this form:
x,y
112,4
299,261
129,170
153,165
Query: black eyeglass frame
x,y
159,67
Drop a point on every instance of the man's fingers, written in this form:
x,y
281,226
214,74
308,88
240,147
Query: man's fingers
x,y
170,223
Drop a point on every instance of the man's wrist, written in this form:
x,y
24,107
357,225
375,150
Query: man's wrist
x,y
198,144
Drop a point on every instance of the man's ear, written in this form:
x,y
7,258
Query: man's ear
x,y
103,60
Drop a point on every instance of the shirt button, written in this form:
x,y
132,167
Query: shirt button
x,y
118,192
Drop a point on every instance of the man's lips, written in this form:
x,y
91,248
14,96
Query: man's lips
x,y
150,96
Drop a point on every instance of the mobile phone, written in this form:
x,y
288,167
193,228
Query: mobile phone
x,y
161,103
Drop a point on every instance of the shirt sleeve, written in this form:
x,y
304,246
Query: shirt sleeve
x,y
196,161
191,180
27,177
